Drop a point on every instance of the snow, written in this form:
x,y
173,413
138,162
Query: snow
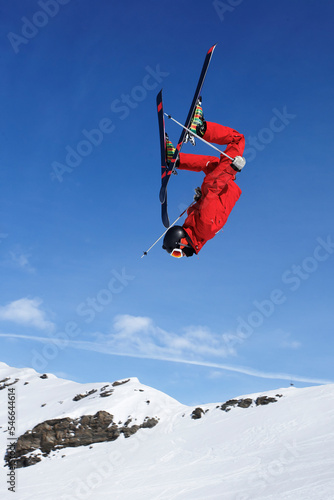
x,y
281,451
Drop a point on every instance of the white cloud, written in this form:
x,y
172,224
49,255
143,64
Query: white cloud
x,y
291,344
103,348
286,340
26,312
139,335
21,260
17,259
127,325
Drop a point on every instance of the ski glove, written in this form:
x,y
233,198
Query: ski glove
x,y
238,163
198,194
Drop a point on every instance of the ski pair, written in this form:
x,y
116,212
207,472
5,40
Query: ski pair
x,y
168,168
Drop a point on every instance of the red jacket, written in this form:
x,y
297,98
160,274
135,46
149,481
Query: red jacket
x,y
219,191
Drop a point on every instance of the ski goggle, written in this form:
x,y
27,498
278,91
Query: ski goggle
x,y
177,253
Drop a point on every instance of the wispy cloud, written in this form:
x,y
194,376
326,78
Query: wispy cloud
x,y
21,261
18,259
26,312
286,341
291,344
100,347
139,337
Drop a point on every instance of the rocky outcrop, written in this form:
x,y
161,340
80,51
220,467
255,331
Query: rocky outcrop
x,y
241,403
103,393
117,383
264,400
78,397
197,413
247,402
4,383
66,432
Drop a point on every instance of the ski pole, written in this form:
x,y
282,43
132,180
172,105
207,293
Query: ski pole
x,y
179,217
198,137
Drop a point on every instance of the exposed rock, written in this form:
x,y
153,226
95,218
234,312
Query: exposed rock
x,y
246,403
44,376
230,403
129,431
81,396
197,413
4,385
105,394
115,384
30,460
66,432
149,423
264,400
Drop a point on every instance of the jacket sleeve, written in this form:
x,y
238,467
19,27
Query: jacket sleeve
x,y
219,134
197,163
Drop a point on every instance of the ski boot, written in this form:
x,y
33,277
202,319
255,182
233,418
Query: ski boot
x,y
198,194
198,124
170,150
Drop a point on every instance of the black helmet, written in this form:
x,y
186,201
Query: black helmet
x,y
172,241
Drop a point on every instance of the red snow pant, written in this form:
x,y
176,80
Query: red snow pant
x,y
219,191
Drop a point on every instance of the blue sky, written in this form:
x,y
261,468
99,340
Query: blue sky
x,y
80,176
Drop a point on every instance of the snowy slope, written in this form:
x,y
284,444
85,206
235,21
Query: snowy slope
x,y
280,451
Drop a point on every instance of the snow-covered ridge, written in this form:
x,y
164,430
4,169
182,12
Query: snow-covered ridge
x,y
53,397
44,397
277,445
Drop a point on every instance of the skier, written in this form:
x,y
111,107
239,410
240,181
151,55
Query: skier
x,y
218,193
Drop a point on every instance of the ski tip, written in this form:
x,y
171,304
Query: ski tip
x,y
212,48
165,221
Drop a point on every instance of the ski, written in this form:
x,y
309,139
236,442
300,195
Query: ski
x,y
164,166
168,169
